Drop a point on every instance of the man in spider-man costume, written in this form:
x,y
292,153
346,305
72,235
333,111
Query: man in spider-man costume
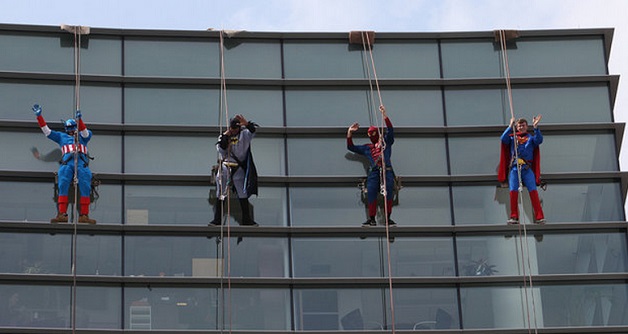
x,y
374,152
237,169
527,161
71,152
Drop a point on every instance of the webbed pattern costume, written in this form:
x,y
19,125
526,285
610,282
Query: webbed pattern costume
x,y
72,153
373,152
528,162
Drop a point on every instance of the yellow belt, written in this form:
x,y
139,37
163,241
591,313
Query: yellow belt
x,y
521,162
230,164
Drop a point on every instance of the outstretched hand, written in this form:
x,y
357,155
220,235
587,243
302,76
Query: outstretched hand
x,y
536,119
37,110
353,128
78,114
382,109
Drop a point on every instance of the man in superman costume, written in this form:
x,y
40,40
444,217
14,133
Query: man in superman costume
x,y
373,152
71,152
527,159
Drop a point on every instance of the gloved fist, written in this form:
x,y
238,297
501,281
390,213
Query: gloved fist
x,y
37,110
78,114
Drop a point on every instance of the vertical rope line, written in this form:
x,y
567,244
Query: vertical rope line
x,y
383,181
365,63
223,87
525,250
77,84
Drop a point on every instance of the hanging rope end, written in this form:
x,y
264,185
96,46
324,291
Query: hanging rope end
x,y
362,38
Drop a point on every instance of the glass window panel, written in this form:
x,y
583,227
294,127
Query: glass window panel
x,y
192,205
252,58
495,255
470,58
99,103
329,153
145,154
582,253
38,153
588,103
181,105
103,55
326,206
322,59
404,59
558,56
167,205
471,154
203,308
203,257
98,307
180,57
339,309
476,106
35,306
406,107
425,309
33,201
421,257
346,206
499,307
590,202
584,305
160,104
37,52
595,152
551,254
576,103
342,106
51,254
338,257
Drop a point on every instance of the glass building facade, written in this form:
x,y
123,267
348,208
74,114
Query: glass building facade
x,y
154,102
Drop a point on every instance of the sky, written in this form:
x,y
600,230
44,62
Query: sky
x,y
343,16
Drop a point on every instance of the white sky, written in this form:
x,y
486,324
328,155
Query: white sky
x,y
342,16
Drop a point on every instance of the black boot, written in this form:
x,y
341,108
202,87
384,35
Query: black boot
x,y
217,214
246,216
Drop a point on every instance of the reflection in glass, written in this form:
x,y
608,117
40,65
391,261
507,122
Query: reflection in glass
x,y
176,155
339,309
338,257
167,205
325,59
98,307
35,306
205,257
249,58
342,106
406,59
425,308
205,308
544,306
421,257
476,106
27,201
36,52
496,255
326,206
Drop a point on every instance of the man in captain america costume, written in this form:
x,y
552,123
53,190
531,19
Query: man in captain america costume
x,y
526,162
237,169
71,151
373,152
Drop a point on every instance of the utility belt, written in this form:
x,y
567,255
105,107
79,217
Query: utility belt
x,y
83,157
231,165
520,162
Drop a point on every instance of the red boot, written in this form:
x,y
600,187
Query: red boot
x,y
514,208
539,217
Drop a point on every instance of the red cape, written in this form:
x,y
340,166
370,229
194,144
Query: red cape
x,y
504,164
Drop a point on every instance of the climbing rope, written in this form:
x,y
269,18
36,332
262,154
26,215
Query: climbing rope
x,y
523,233
224,106
366,45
